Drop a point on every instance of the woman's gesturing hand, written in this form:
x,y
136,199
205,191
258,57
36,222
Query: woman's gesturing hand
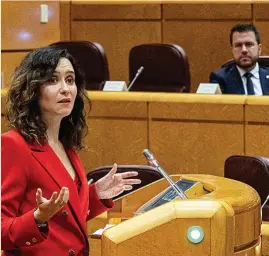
x,y
46,208
114,183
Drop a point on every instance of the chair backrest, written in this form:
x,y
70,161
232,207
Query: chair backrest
x,y
92,60
263,61
146,173
253,171
166,68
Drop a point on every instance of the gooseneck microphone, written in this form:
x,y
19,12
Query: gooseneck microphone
x,y
139,71
151,159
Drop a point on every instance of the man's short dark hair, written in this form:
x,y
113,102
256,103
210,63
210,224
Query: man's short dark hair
x,y
245,27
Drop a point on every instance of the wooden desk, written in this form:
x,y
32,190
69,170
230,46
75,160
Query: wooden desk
x,y
235,230
257,124
188,133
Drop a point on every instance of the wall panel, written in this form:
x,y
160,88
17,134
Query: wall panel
x,y
263,27
117,38
206,11
261,11
21,27
9,61
116,12
65,20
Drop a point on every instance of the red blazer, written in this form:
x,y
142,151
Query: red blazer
x,y
26,167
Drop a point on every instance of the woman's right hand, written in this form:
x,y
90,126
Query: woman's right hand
x,y
46,208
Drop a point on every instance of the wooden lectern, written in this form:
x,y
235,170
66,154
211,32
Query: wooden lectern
x,y
220,218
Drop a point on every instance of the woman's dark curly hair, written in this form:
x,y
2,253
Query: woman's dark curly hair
x,y
23,111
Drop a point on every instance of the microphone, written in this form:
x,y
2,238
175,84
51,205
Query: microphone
x,y
139,71
151,159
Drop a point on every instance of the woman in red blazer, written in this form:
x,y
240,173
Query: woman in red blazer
x,y
46,200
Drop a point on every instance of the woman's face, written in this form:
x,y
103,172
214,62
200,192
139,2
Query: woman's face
x,y
57,96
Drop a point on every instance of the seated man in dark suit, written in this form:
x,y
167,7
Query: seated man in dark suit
x,y
244,75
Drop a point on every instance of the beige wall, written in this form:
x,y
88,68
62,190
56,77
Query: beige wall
x,y
22,32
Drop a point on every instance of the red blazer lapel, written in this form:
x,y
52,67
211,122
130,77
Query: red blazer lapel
x,y
52,164
84,190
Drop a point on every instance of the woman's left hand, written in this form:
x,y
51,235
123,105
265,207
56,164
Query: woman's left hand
x,y
114,183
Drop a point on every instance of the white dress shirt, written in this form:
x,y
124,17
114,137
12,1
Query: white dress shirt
x,y
255,79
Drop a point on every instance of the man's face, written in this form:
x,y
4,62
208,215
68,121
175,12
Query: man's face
x,y
246,49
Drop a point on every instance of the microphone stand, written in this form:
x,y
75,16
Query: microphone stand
x,y
139,71
154,162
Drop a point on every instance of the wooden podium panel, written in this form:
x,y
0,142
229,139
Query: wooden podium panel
x,y
163,231
265,238
126,206
228,211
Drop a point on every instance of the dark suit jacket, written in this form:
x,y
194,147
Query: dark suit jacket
x,y
26,167
231,83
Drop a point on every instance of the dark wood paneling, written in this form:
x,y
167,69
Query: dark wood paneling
x,y
118,12
21,27
207,11
65,20
117,38
261,12
263,27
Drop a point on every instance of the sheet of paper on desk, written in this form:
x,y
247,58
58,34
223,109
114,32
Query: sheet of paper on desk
x,y
100,231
